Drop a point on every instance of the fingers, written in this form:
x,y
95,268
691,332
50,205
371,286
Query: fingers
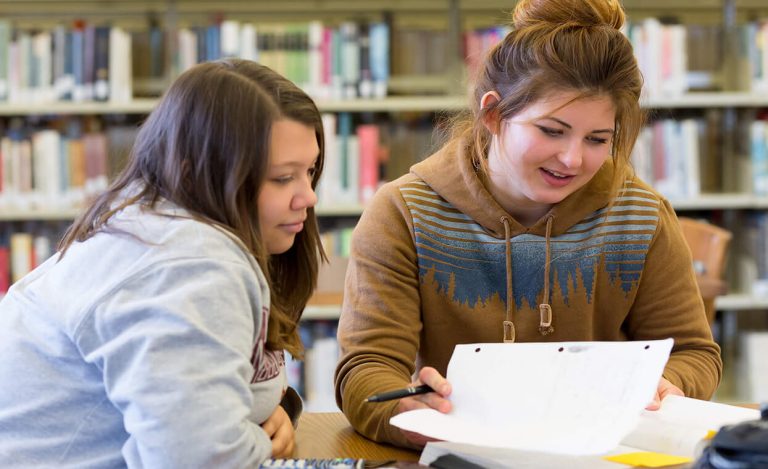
x,y
655,404
283,442
280,430
664,389
274,422
270,427
668,389
435,380
434,400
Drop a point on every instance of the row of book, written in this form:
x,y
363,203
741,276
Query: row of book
x,y
682,158
81,62
23,249
758,144
662,55
88,62
753,47
84,61
677,58
63,164
312,378
350,60
58,169
48,168
360,156
667,154
754,231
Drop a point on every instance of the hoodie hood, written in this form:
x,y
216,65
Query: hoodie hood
x,y
451,173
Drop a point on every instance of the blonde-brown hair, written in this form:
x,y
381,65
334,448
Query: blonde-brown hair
x,y
558,46
205,147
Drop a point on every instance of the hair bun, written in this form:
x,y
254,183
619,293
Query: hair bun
x,y
578,12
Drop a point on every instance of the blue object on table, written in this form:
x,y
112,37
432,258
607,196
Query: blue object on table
x,y
337,463
744,445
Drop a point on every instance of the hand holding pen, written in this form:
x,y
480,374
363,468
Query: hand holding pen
x,y
429,391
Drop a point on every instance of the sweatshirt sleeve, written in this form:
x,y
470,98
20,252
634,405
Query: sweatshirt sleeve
x,y
174,345
668,304
380,320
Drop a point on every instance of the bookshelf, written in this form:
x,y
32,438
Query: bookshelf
x,y
412,91
445,13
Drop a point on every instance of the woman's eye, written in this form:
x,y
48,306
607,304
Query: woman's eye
x,y
550,131
598,140
311,172
282,179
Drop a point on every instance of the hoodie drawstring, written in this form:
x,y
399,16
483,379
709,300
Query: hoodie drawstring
x,y
545,310
509,326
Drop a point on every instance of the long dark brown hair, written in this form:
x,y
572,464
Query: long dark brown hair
x,y
205,148
559,46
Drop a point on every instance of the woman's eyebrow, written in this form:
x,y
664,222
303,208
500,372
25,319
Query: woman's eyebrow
x,y
567,125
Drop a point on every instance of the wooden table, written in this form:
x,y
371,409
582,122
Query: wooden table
x,y
329,435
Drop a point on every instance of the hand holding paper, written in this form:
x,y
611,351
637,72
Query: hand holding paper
x,y
568,397
434,400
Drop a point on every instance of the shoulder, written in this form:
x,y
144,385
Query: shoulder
x,y
638,199
390,197
173,232
639,193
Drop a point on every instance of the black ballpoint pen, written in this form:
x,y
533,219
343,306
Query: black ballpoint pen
x,y
399,393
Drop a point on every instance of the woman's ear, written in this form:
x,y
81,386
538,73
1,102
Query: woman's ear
x,y
490,118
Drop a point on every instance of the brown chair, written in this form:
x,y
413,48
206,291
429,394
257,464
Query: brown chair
x,y
709,246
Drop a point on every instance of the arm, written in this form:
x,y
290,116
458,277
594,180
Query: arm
x,y
380,321
668,304
174,345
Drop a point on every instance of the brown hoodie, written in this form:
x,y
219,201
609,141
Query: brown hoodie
x,y
437,262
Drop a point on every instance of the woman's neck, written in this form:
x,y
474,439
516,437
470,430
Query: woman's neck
x,y
528,216
526,213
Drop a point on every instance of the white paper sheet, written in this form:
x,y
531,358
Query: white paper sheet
x,y
563,397
678,428
682,423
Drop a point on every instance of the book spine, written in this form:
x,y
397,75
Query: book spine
x,y
5,42
368,141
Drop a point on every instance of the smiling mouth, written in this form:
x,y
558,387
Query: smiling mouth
x,y
556,174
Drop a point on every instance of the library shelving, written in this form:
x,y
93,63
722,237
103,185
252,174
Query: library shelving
x,y
420,88
453,16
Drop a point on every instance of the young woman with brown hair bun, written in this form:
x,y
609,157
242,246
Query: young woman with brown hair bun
x,y
528,225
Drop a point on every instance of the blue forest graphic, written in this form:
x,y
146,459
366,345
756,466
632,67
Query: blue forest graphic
x,y
468,265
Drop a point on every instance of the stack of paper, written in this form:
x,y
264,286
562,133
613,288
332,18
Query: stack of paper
x,y
544,403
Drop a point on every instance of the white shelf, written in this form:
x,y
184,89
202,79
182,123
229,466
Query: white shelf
x,y
708,99
740,302
339,210
424,103
53,214
702,202
721,202
136,106
144,106
314,313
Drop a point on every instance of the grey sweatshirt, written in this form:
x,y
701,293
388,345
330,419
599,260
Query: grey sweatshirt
x,y
139,351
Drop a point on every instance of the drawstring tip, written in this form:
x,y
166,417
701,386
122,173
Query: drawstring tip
x,y
509,332
545,319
